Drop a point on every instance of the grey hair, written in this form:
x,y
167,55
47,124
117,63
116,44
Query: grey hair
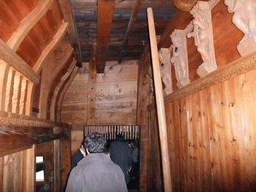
x,y
95,142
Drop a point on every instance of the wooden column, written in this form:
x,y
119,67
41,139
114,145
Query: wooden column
x,y
91,100
159,103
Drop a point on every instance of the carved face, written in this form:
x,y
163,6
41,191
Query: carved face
x,y
176,40
232,4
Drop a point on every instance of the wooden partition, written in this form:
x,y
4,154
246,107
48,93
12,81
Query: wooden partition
x,y
14,171
211,131
129,132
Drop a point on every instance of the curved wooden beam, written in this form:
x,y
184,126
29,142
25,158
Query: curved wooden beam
x,y
46,87
66,86
51,46
58,89
184,5
28,23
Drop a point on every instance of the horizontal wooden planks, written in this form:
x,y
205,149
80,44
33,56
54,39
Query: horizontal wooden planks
x,y
115,95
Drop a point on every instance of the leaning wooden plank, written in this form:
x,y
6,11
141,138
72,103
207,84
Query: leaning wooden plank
x,y
11,58
159,103
56,39
28,23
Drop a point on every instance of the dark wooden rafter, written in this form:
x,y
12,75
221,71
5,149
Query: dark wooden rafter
x,y
105,17
130,27
67,10
16,137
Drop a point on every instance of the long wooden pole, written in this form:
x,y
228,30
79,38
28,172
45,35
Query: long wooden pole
x,y
159,103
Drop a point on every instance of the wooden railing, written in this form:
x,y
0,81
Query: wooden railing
x,y
129,132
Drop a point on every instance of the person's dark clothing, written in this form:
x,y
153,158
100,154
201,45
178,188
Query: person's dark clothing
x,y
76,158
120,154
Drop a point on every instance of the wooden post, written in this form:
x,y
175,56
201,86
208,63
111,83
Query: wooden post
x,y
159,103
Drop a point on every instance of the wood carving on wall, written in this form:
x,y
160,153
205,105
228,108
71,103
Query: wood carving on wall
x,y
233,69
166,70
203,37
244,19
180,57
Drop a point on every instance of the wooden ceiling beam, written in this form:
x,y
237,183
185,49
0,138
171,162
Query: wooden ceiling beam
x,y
16,137
68,14
14,60
105,17
130,27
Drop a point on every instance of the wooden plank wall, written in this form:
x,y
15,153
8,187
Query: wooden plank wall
x,y
154,169
14,171
211,122
212,137
116,96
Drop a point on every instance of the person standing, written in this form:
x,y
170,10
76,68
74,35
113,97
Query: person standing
x,y
96,172
121,154
78,155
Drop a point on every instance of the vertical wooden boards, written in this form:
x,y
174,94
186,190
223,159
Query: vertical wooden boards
x,y
155,170
212,137
142,119
18,171
76,140
66,155
4,70
57,165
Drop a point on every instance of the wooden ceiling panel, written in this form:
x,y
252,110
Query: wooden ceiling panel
x,y
28,51
21,8
9,21
54,16
40,35
86,16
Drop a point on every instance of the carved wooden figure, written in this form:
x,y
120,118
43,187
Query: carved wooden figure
x,y
180,57
203,37
244,19
166,71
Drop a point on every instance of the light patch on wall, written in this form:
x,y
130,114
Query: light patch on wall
x,y
39,174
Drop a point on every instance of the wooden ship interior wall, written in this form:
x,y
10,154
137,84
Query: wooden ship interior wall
x,y
210,122
46,100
